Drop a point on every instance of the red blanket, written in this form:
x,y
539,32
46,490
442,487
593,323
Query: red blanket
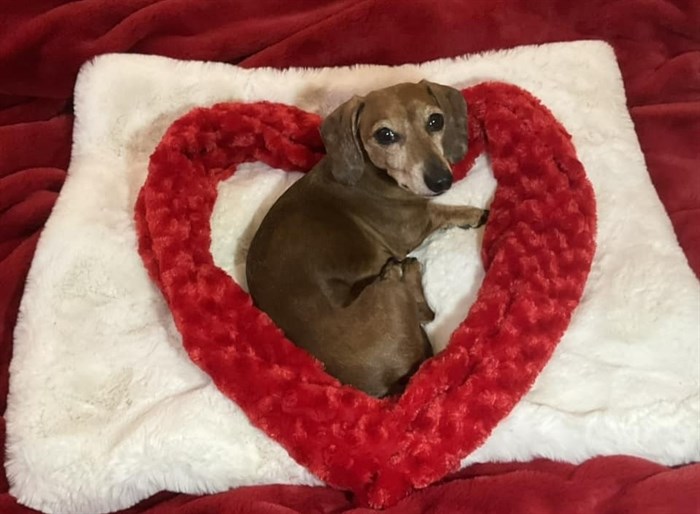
x,y
43,44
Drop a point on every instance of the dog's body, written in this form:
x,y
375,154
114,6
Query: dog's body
x,y
328,263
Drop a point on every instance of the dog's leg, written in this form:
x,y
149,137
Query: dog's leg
x,y
408,271
442,216
413,278
384,315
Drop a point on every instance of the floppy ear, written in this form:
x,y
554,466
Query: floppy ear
x,y
452,103
340,136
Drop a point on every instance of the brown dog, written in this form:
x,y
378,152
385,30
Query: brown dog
x,y
328,263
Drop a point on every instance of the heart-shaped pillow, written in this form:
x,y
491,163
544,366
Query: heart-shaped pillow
x,y
537,250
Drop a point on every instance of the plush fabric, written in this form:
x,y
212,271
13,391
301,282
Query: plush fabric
x,y
538,249
42,44
98,418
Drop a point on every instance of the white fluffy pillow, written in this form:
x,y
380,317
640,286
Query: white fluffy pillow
x,y
106,408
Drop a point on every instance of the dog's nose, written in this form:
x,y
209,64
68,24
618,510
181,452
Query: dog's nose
x,y
438,180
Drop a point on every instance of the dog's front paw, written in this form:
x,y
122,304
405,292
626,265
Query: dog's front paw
x,y
477,218
483,219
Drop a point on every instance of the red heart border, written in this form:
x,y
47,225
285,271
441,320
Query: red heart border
x,y
537,249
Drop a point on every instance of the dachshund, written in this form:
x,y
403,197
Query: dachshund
x,y
329,263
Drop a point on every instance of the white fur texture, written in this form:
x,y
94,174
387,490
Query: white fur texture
x,y
105,407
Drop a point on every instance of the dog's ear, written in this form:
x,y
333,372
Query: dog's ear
x,y
453,105
340,136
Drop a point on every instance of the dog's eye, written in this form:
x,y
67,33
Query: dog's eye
x,y
435,122
385,136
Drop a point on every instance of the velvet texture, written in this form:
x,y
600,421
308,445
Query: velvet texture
x,y
538,247
43,43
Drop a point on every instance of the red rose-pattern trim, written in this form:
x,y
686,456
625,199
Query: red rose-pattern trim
x,y
537,251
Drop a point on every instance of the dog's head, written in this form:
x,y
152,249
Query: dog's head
x,y
413,131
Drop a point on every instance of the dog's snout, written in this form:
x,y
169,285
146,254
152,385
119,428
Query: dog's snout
x,y
437,177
